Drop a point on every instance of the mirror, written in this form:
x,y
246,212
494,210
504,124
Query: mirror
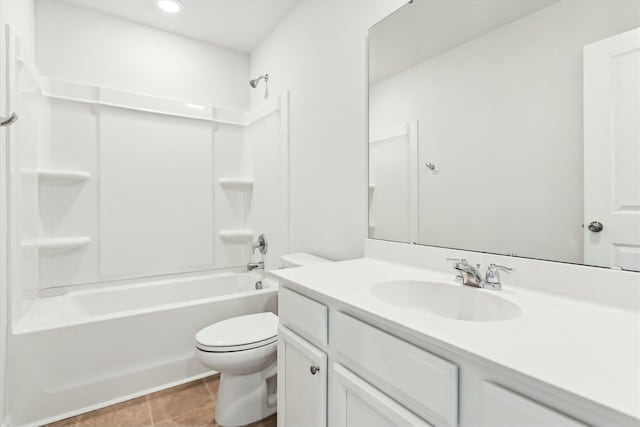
x,y
509,127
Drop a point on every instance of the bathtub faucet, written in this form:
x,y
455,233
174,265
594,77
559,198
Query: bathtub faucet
x,y
255,265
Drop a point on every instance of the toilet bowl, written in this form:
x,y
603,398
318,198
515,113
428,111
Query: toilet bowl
x,y
243,349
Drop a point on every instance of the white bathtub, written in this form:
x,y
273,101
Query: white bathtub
x,y
87,349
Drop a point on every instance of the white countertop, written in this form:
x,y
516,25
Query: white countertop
x,y
586,349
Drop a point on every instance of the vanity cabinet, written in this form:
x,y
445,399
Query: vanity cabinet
x,y
338,368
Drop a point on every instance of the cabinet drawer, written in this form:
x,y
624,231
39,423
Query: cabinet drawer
x,y
303,315
423,382
359,404
504,408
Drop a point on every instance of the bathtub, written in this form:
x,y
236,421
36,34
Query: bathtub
x,y
86,349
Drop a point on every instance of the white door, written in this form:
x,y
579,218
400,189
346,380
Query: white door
x,y
359,404
302,382
612,152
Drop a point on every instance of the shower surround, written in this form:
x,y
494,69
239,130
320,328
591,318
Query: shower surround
x,y
132,219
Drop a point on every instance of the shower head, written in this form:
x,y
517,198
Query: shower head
x,y
254,84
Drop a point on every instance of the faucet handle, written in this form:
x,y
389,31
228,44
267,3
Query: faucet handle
x,y
494,267
492,279
260,244
459,278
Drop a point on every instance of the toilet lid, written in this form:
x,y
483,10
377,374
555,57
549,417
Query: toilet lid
x,y
239,333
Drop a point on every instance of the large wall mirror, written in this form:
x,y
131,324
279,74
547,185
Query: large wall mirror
x,y
509,127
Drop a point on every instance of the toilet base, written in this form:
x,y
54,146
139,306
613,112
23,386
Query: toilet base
x,y
245,399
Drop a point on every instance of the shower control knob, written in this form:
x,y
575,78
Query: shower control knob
x,y
595,226
314,369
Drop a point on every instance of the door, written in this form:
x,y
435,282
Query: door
x,y
612,152
302,382
359,404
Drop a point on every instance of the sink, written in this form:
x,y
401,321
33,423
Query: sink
x,y
450,301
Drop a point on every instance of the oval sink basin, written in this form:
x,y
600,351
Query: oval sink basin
x,y
449,301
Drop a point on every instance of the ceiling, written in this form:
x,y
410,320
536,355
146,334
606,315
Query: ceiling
x,y
236,24
426,28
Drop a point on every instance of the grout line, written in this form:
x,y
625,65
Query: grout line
x,y
211,391
212,394
146,399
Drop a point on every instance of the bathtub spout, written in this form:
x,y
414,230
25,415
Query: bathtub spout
x,y
255,265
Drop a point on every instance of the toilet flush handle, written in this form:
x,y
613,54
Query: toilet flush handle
x,y
314,369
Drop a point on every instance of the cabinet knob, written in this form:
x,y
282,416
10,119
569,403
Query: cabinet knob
x,y
314,369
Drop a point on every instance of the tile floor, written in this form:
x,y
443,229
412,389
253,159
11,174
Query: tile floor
x,y
188,405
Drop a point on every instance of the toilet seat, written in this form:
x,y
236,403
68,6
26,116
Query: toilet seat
x,y
239,333
235,348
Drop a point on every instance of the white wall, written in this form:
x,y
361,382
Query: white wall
x,y
80,45
20,16
319,53
501,117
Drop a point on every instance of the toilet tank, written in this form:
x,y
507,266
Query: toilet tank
x,y
300,259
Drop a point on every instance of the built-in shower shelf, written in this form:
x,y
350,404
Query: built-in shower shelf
x,y
237,236
60,243
62,177
236,184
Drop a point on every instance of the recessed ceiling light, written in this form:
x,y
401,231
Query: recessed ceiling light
x,y
170,6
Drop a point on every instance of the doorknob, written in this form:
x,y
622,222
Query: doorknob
x,y
595,226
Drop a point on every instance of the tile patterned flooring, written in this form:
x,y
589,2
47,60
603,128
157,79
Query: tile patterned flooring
x,y
188,405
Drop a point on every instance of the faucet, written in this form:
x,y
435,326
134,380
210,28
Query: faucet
x,y
255,265
469,275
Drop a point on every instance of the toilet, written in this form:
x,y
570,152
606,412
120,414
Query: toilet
x,y
243,349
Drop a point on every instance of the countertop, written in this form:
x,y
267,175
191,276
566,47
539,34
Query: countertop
x,y
586,349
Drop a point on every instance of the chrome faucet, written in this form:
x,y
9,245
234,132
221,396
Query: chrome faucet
x,y
255,266
469,275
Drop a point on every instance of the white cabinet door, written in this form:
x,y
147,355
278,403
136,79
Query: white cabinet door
x,y
504,408
359,404
423,382
302,382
